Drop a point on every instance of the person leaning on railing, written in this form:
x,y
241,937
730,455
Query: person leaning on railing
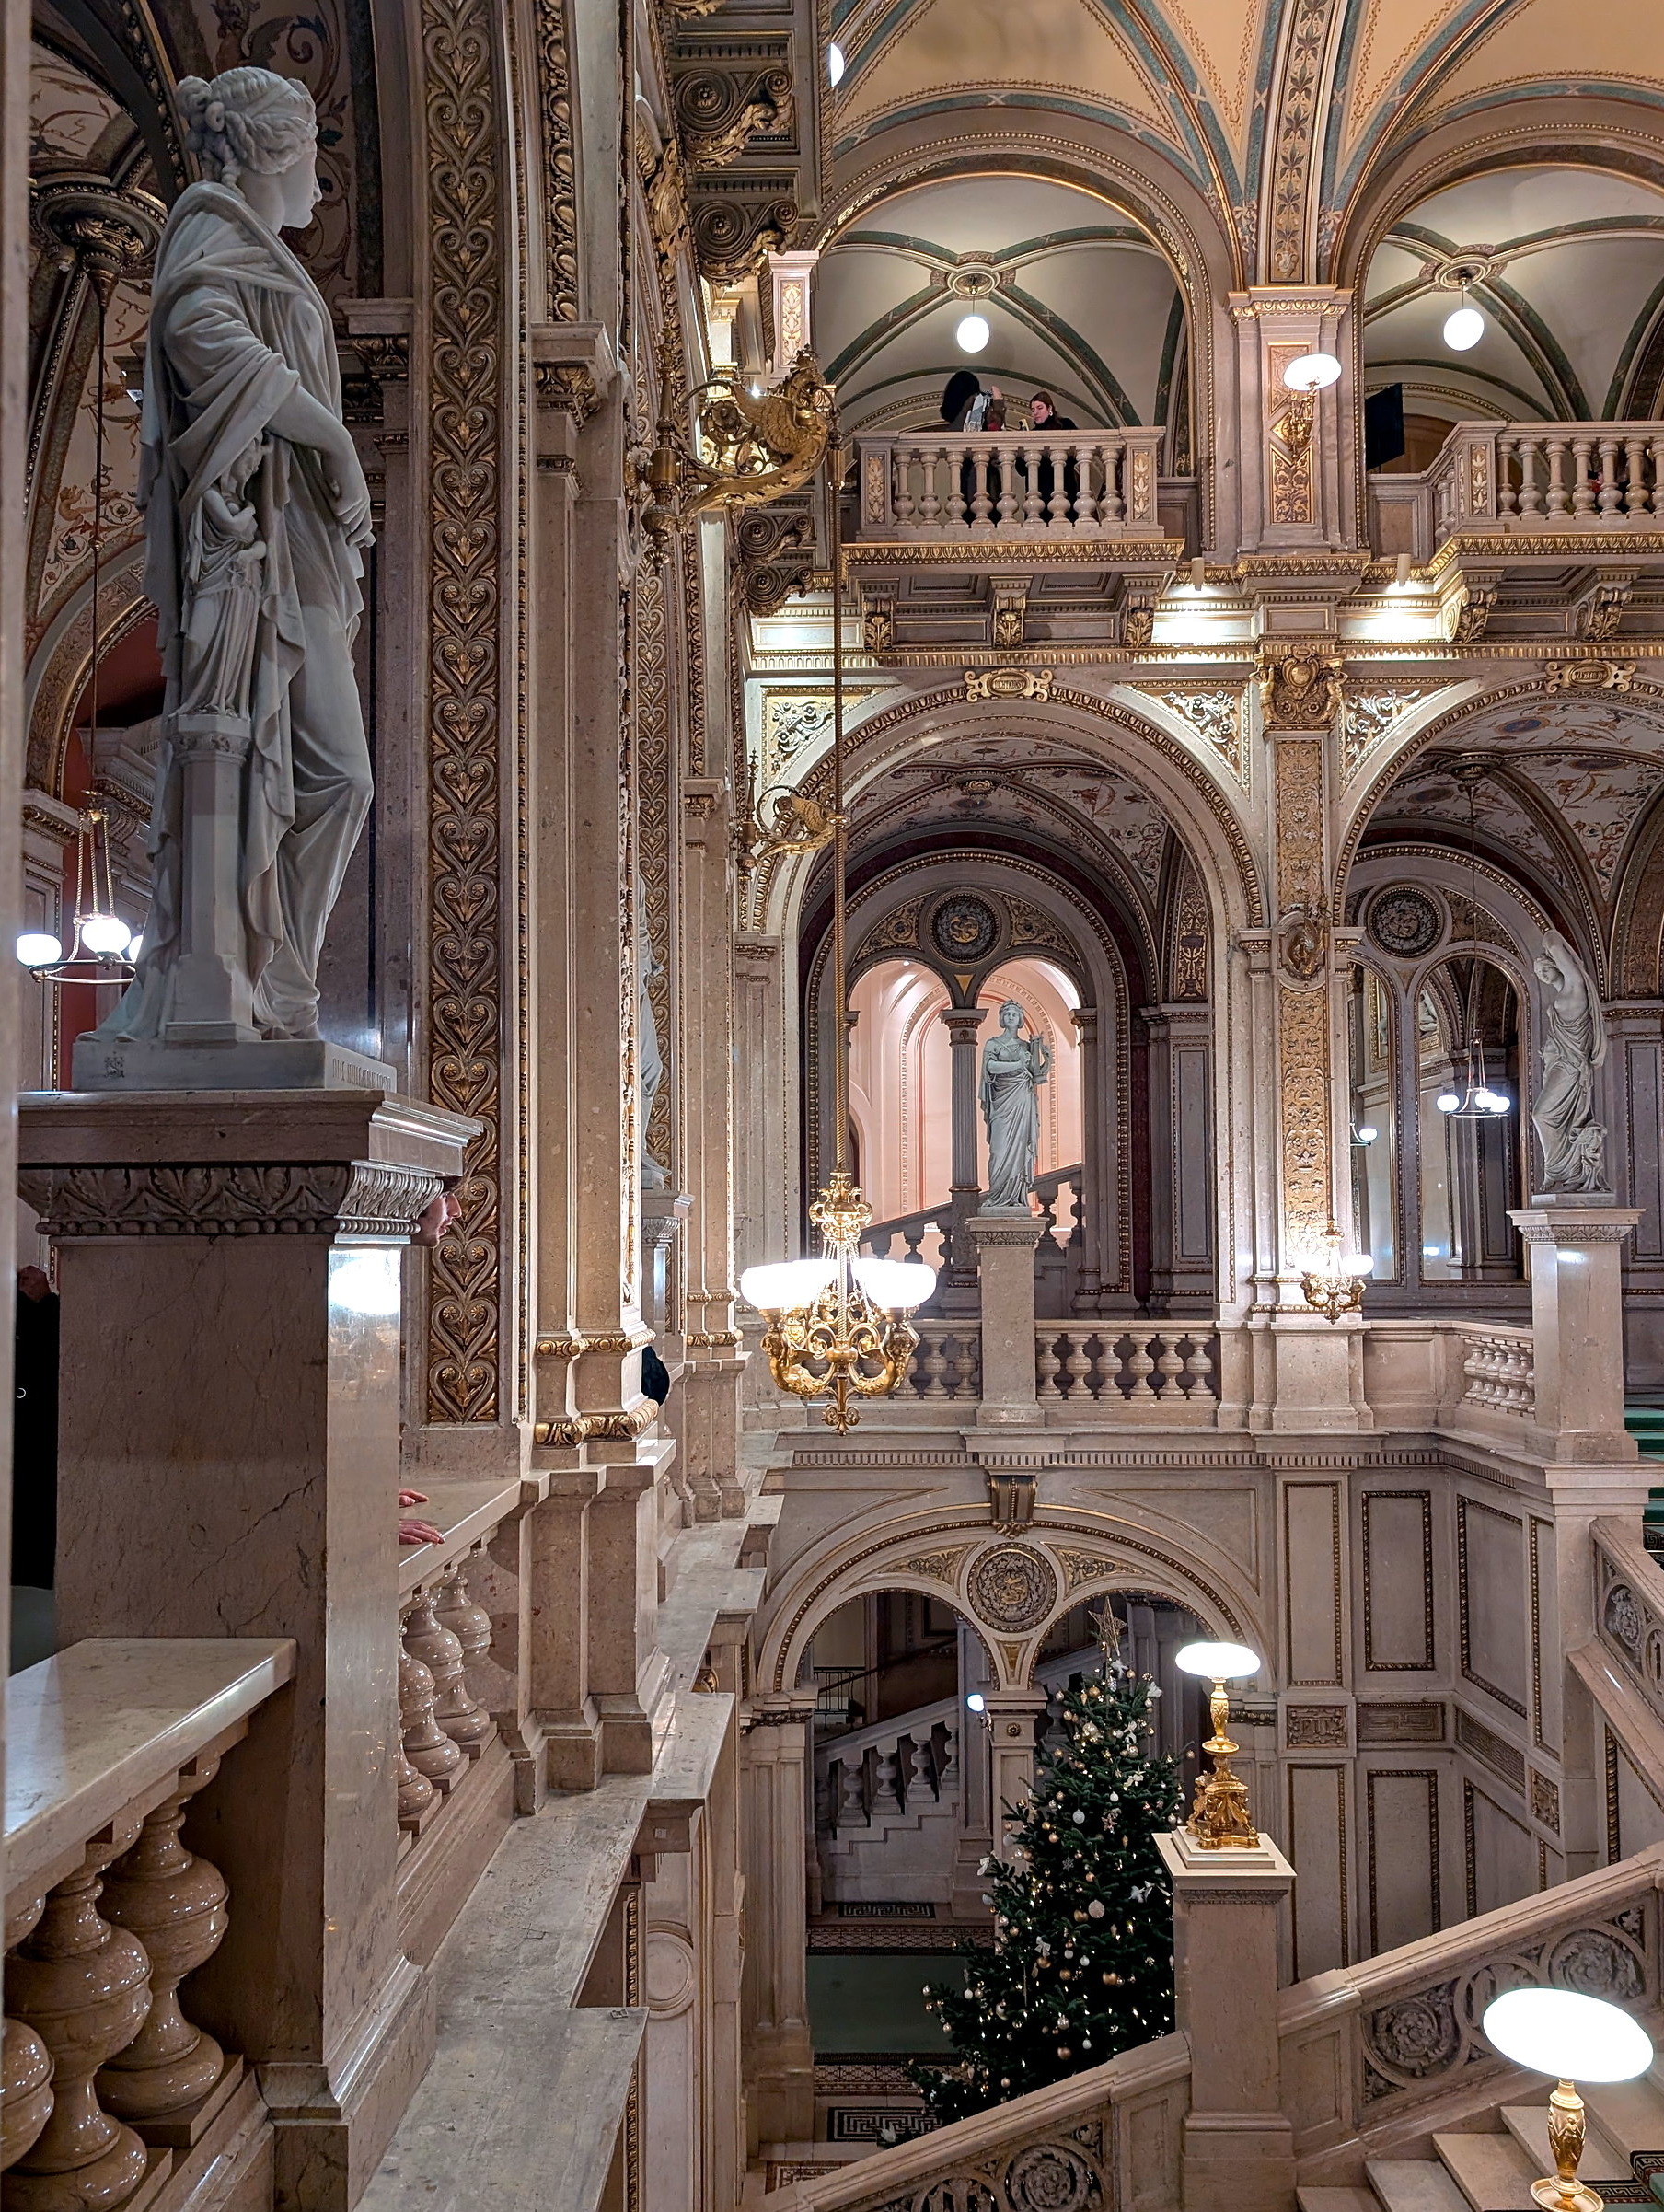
x,y
966,407
1043,413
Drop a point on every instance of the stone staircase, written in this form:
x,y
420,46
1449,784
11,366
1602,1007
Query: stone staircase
x,y
1494,2172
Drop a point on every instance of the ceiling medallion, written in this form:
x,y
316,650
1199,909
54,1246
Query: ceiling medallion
x,y
972,280
1465,267
1404,922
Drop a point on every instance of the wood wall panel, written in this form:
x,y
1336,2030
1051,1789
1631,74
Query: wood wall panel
x,y
1317,1845
1400,1847
1493,1602
1397,1530
1312,1584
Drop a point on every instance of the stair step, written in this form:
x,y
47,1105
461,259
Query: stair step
x,y
1604,2160
1492,2171
1337,2200
1630,2113
1415,2186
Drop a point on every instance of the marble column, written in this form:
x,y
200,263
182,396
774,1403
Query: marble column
x,y
964,1025
1238,2143
776,1776
1012,1716
1005,1246
231,1272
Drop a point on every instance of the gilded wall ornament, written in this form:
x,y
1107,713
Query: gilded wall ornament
x,y
1589,675
1216,716
1404,922
1012,1586
964,930
1008,683
1301,691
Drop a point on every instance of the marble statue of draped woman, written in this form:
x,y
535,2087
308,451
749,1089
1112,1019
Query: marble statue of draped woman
x,y
1573,1141
255,509
1013,1067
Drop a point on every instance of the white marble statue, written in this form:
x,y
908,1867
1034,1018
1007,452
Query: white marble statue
x,y
1575,1046
256,509
1013,1067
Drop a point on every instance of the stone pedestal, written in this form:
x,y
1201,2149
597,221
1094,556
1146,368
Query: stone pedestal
x,y
230,1269
1005,1246
1576,1247
130,1064
1238,2146
663,1213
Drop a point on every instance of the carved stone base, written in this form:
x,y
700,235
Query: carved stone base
x,y
135,1064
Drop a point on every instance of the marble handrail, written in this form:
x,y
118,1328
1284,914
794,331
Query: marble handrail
x,y
91,1731
107,1911
467,1515
1013,485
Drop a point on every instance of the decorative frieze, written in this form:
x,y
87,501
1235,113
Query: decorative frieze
x,y
334,1199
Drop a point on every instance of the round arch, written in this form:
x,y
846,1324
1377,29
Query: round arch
x,y
1009,1585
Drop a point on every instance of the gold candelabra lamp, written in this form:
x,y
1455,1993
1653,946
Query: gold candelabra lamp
x,y
1571,2038
748,448
1220,1820
839,1323
1335,1285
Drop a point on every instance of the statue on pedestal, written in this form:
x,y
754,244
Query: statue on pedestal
x,y
1013,1067
1575,1046
256,512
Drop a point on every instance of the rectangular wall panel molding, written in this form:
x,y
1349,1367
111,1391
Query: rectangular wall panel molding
x,y
1312,1584
1493,1602
1401,1844
1397,1529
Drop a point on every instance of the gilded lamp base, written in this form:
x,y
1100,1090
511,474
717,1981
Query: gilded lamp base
x,y
1562,2191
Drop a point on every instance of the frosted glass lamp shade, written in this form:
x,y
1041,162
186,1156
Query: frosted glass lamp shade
x,y
897,1285
786,1283
972,333
1218,1662
1572,2037
105,933
1358,1263
1311,373
37,948
835,63
1463,329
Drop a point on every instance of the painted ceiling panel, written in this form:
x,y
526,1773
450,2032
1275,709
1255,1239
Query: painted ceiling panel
x,y
1387,38
981,46
1223,39
1556,41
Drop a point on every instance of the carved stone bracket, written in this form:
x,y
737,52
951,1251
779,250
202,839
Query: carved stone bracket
x,y
776,547
572,368
739,217
719,107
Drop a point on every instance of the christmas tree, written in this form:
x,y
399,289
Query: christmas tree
x,y
1082,1962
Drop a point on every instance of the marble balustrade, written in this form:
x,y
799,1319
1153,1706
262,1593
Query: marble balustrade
x,y
114,2093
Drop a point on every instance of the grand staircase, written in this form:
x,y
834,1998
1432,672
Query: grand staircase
x,y
1645,1424
1494,2172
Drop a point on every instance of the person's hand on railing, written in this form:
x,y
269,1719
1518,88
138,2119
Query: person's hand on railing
x,y
417,1532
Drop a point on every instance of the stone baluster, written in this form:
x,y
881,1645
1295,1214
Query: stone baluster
x,y
467,1620
965,1366
981,506
1583,496
83,1987
1611,498
930,506
416,1793
1106,1368
1111,507
1169,1365
1530,495
933,1364
1507,454
1559,499
1046,1364
1033,515
174,1903
441,1652
906,460
26,2067
1008,488
1140,1366
429,1750
955,501
1198,1366
1085,505
1077,1366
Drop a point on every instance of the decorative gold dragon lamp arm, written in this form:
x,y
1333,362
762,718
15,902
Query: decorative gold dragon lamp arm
x,y
747,450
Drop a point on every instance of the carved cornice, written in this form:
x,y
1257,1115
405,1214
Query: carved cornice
x,y
720,107
328,1198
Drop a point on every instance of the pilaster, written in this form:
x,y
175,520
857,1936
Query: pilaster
x,y
776,1779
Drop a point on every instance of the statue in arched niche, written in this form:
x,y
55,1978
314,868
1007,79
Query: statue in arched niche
x,y
1573,1141
1013,1067
256,514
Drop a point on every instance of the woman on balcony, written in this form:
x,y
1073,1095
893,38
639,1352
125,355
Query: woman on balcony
x,y
1043,413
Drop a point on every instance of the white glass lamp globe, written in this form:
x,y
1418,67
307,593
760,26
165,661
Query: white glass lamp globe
x,y
897,1285
1358,1263
787,1282
1463,328
105,933
1367,1134
1218,1662
975,1702
1446,1102
972,333
38,949
1574,2038
1311,373
835,63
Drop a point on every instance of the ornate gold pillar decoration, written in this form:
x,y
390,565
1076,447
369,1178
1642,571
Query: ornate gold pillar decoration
x,y
465,1014
559,188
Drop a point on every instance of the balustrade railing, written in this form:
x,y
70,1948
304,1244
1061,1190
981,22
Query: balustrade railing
x,y
108,1912
1498,1365
1127,1371
1524,477
882,1770
948,1363
1010,484
925,1235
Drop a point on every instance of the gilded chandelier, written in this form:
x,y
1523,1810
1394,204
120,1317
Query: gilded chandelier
x,y
838,1325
